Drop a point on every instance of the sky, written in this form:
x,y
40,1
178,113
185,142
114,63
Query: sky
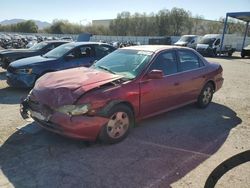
x,y
84,11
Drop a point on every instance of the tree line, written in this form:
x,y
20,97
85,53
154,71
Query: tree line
x,y
24,27
174,22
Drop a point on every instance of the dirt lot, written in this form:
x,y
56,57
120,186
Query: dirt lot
x,y
176,149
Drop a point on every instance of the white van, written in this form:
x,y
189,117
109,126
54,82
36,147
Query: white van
x,y
187,40
210,45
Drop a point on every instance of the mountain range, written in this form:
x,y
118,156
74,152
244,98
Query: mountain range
x,y
40,24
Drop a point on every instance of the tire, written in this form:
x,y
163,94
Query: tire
x,y
214,52
205,96
242,55
121,119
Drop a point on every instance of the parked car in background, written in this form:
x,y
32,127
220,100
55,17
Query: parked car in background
x,y
188,41
210,45
130,84
10,55
245,51
160,41
24,72
67,38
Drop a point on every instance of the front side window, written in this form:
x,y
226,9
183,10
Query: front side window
x,y
217,42
38,46
59,51
81,52
188,60
165,62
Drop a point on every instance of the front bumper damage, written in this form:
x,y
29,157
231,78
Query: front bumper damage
x,y
80,127
21,80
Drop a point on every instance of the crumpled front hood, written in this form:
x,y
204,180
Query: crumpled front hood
x,y
65,87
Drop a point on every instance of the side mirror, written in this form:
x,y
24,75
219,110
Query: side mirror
x,y
155,74
69,57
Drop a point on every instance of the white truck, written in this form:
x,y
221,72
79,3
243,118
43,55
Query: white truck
x,y
210,45
188,41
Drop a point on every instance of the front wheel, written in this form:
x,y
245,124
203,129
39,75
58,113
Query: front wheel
x,y
205,96
121,119
242,55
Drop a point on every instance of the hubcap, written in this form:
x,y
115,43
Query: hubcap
x,y
118,125
207,95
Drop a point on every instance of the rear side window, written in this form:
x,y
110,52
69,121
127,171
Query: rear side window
x,y
165,62
188,60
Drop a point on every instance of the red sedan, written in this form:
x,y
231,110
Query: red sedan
x,y
130,84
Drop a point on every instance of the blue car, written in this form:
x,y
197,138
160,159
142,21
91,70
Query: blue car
x,y
23,73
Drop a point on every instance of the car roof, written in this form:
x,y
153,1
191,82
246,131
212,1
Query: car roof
x,y
154,48
56,41
190,35
86,43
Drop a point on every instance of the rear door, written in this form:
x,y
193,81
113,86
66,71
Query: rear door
x,y
192,75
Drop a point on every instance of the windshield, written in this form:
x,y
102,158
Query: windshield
x,y
209,41
128,63
38,46
59,51
186,39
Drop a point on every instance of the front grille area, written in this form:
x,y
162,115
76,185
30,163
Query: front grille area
x,y
36,106
11,69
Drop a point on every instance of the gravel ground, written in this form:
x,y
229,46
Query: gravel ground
x,y
176,149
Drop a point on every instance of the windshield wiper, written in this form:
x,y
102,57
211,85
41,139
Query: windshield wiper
x,y
106,69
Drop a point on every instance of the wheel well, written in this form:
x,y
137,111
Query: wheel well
x,y
129,105
213,84
103,111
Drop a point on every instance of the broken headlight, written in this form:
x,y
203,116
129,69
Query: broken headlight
x,y
24,71
74,110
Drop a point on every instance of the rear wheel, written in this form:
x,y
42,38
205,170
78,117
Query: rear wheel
x,y
205,96
121,119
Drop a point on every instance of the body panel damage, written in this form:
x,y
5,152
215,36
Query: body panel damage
x,y
79,102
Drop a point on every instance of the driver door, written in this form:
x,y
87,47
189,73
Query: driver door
x,y
79,56
158,95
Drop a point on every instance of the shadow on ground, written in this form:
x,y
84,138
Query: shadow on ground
x,y
10,95
157,153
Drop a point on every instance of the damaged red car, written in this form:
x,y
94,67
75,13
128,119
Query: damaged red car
x,y
104,101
